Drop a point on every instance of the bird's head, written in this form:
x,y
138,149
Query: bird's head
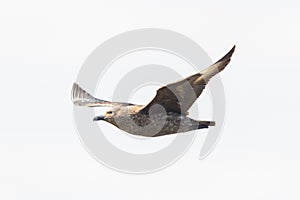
x,y
117,114
108,116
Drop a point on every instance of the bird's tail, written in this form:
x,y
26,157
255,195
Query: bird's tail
x,y
206,124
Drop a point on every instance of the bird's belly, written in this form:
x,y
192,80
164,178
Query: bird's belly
x,y
157,125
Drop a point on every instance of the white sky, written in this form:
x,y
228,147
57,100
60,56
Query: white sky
x,y
42,46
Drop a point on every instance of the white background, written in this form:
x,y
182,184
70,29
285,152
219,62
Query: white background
x,y
42,46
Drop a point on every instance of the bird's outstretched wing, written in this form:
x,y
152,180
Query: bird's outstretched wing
x,y
179,96
80,97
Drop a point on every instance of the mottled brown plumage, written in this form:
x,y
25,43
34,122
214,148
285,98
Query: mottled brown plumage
x,y
165,114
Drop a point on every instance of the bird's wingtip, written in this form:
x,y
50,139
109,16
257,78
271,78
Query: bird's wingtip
x,y
233,48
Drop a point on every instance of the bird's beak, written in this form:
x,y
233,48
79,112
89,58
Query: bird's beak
x,y
98,118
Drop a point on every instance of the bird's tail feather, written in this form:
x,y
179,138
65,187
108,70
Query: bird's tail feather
x,y
206,124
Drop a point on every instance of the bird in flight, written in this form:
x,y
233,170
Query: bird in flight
x,y
166,114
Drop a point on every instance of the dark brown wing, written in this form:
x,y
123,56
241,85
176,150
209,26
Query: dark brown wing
x,y
80,97
179,96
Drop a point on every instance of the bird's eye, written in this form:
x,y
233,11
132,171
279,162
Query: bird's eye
x,y
109,112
